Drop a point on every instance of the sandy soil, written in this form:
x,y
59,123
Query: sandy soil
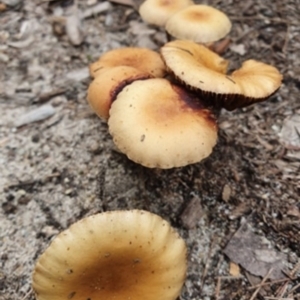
x,y
65,167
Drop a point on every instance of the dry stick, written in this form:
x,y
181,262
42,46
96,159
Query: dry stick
x,y
218,288
220,278
47,96
262,282
27,295
295,270
207,261
282,290
294,288
268,283
286,39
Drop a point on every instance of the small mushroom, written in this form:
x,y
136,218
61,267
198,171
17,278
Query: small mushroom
x,y
157,12
114,255
199,23
160,125
205,72
142,59
104,89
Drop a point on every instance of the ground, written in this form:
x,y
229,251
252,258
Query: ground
x,y
65,167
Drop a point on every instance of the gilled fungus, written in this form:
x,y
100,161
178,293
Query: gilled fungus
x,y
205,72
143,59
161,125
199,23
157,12
104,89
114,255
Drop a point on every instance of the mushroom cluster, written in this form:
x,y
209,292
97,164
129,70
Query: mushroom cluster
x,y
161,107
114,255
185,20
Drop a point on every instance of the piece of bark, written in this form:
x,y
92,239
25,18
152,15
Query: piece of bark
x,y
191,214
255,254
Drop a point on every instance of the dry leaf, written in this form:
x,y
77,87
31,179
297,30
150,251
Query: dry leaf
x,y
255,254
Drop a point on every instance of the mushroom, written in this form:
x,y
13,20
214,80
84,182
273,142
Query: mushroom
x,y
104,89
114,255
160,125
205,72
157,12
199,23
142,59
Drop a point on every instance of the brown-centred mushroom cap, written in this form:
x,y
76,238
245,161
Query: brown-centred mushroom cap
x,y
104,89
157,12
199,23
197,67
114,255
142,59
161,125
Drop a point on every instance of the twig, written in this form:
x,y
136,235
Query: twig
x,y
47,96
27,295
268,283
207,261
95,10
295,270
220,278
286,39
218,287
262,282
294,288
282,290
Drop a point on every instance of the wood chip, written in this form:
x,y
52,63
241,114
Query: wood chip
x,y
39,114
234,269
239,49
97,9
226,193
74,30
79,74
290,132
192,213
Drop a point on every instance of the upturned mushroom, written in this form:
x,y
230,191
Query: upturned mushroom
x,y
114,255
143,59
157,12
199,23
161,125
206,73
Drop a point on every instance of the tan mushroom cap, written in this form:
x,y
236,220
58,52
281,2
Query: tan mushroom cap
x,y
160,125
202,70
104,88
157,12
142,59
199,23
114,255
